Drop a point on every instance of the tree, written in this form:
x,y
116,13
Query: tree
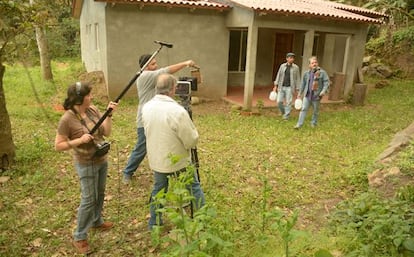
x,y
42,43
14,19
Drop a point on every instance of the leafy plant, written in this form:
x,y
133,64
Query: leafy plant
x,y
190,236
373,226
406,193
279,221
405,160
260,104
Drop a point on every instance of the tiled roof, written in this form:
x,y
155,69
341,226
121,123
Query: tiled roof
x,y
311,8
316,8
354,9
178,3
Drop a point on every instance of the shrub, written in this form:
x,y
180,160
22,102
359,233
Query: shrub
x,y
372,226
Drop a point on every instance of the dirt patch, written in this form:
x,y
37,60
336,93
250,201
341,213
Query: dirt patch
x,y
99,87
388,181
208,106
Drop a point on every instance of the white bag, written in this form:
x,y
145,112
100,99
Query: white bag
x,y
298,104
272,96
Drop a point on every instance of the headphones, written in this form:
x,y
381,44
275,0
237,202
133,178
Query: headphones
x,y
78,87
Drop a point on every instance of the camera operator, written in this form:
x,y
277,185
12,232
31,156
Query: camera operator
x,y
146,90
73,133
170,132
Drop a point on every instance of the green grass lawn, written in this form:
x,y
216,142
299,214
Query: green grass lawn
x,y
248,166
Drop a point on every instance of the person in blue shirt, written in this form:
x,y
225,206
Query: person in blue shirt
x,y
315,84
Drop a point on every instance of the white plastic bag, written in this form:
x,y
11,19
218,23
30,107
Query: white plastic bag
x,y
272,96
298,104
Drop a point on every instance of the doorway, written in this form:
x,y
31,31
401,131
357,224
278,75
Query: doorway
x,y
283,45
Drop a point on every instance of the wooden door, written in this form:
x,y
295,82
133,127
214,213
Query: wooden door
x,y
283,45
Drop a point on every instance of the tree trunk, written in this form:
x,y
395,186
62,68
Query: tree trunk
x,y
7,147
43,47
360,91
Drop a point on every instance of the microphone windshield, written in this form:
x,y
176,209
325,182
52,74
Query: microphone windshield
x,y
164,44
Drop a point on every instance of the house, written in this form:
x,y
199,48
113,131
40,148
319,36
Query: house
x,y
237,43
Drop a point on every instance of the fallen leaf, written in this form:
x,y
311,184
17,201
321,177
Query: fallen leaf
x,y
4,179
37,242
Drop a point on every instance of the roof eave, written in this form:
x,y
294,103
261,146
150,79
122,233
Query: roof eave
x,y
168,5
310,15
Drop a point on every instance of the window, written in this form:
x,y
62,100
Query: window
x,y
96,37
237,51
88,29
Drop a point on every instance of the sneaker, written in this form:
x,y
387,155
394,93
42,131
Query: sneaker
x,y
126,179
296,127
82,246
104,226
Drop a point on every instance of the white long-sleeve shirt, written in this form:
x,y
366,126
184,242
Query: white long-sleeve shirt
x,y
169,133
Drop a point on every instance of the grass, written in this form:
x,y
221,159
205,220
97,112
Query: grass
x,y
309,170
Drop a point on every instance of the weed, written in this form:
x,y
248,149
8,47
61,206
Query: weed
x,y
374,226
260,104
190,236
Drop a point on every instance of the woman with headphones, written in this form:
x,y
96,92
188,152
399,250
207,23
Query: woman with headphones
x,y
73,133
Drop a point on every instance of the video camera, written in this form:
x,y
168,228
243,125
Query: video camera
x,y
185,85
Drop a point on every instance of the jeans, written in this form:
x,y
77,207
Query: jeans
x,y
161,183
92,185
285,93
137,154
305,108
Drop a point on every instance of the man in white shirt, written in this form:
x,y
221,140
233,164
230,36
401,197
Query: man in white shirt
x,y
170,133
146,91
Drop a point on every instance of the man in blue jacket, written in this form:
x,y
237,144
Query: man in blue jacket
x,y
315,84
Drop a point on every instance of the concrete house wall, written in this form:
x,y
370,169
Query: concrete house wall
x,y
93,36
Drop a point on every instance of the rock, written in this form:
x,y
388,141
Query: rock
x,y
378,177
374,65
400,140
377,70
4,179
195,100
382,84
385,71
371,72
394,171
368,60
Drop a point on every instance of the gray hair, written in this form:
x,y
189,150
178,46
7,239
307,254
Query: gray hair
x,y
165,84
313,58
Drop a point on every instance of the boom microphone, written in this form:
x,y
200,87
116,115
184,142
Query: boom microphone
x,y
164,44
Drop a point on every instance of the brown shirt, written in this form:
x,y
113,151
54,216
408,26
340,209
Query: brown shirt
x,y
71,126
